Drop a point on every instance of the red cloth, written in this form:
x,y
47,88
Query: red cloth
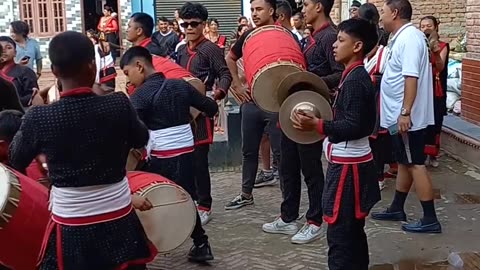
x,y
35,171
23,235
111,25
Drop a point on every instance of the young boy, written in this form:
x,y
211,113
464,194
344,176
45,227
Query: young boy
x,y
351,187
86,139
164,106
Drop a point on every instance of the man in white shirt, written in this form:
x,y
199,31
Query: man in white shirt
x,y
406,111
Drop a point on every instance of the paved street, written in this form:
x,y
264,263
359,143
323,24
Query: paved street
x,y
239,243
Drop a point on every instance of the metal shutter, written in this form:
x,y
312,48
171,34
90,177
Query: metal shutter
x,y
225,11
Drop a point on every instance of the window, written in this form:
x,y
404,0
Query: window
x,y
45,17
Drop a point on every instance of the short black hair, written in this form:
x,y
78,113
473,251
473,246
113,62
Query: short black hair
x,y
108,8
327,6
404,8
242,18
213,20
136,52
362,30
163,19
191,10
272,3
433,19
8,40
369,12
284,8
356,3
20,28
145,22
69,51
10,122
299,15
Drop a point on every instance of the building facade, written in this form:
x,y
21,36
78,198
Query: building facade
x,y
50,17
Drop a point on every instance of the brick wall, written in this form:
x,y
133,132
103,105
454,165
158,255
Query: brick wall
x,y
451,14
471,65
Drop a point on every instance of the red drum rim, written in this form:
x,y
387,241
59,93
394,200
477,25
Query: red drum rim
x,y
260,29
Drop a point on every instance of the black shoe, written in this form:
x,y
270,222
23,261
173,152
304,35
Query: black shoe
x,y
390,216
419,227
239,202
200,253
265,179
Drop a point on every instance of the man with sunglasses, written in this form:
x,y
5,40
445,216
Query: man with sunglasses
x,y
205,60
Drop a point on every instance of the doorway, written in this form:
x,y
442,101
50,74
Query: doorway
x,y
93,11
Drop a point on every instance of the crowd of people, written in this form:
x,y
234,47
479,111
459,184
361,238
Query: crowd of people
x,y
387,81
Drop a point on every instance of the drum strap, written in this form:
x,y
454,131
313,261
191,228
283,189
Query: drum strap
x,y
159,91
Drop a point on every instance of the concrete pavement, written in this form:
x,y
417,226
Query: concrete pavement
x,y
239,243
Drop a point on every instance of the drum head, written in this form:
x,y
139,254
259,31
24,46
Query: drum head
x,y
322,110
4,187
266,82
201,88
300,81
172,219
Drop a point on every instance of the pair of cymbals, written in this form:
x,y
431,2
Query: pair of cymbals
x,y
299,90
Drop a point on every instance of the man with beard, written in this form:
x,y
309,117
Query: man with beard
x,y
254,119
204,60
307,158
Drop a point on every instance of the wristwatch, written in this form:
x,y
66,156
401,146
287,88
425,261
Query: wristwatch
x,y
404,112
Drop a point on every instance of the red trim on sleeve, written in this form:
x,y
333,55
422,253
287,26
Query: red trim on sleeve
x,y
320,127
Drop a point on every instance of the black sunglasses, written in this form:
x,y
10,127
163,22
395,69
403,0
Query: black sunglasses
x,y
193,24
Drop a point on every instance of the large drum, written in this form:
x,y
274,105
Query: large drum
x,y
24,216
173,217
172,70
266,66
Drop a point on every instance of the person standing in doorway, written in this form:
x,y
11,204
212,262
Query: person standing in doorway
x,y
406,111
28,50
108,30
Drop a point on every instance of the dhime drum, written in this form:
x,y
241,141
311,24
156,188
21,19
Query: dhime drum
x,y
173,217
279,82
172,70
266,66
24,216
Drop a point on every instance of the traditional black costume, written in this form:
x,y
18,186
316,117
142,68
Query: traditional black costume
x,y
206,62
24,80
164,106
86,139
351,187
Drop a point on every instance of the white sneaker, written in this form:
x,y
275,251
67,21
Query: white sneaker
x,y
281,227
205,216
381,185
434,162
307,234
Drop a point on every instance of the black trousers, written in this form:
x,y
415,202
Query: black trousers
x,y
296,159
180,170
202,176
347,241
254,123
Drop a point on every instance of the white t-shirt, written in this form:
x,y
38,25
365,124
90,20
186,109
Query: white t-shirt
x,y
299,36
408,56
